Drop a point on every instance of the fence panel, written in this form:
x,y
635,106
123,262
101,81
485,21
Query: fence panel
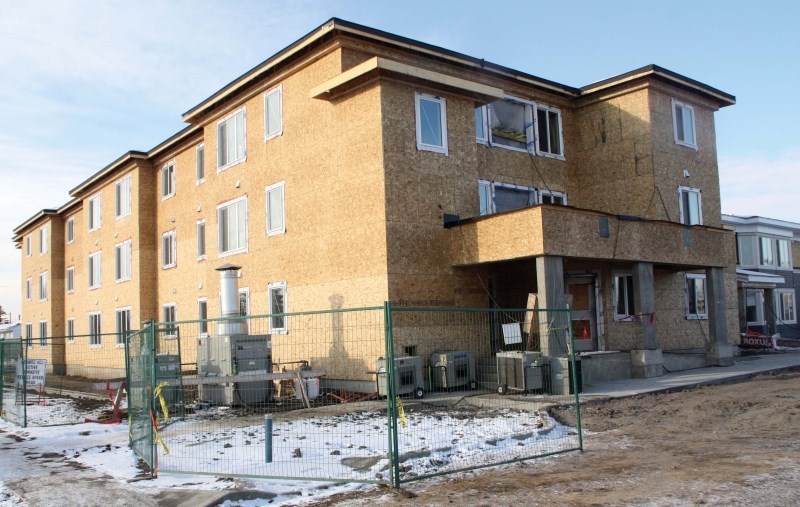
x,y
12,382
140,360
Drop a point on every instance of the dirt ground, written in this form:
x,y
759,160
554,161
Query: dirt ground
x,y
732,444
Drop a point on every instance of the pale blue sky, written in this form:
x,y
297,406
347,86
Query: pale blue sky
x,y
82,82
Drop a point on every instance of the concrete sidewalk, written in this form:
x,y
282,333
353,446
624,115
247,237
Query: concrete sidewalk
x,y
744,367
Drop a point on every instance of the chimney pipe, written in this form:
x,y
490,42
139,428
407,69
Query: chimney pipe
x,y
229,300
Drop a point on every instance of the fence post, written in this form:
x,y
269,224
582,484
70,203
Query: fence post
x,y
24,369
574,377
391,397
2,376
151,364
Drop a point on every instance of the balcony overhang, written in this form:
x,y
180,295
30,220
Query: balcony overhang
x,y
589,235
757,279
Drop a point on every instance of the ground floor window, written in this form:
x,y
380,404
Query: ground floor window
x,y
123,325
696,296
623,297
277,307
786,306
754,307
95,331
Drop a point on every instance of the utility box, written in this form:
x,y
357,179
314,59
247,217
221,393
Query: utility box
x,y
408,376
240,355
453,369
560,375
168,367
519,371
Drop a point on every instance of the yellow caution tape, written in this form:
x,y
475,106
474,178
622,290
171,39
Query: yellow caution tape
x,y
157,394
401,412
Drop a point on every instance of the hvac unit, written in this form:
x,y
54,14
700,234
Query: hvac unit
x,y
235,355
519,371
453,369
168,368
408,377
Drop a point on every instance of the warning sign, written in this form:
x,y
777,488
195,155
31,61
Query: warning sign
x,y
35,373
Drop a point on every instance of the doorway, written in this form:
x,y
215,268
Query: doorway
x,y
583,289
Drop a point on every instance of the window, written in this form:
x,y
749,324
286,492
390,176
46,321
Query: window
x,y
95,270
786,309
70,330
431,123
123,318
122,197
549,142
231,147
784,253
510,123
202,315
43,240
169,250
28,289
170,312
497,197
28,246
745,250
201,239
168,180
273,113
70,279
275,210
766,254
43,286
43,333
95,212
95,330
696,296
683,121
691,212
277,306
29,334
200,164
485,197
70,230
480,125
122,261
623,297
754,307
548,197
232,226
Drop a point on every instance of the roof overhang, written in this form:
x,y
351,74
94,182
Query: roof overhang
x,y
110,168
758,280
21,228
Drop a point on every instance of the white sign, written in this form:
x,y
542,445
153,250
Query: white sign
x,y
35,372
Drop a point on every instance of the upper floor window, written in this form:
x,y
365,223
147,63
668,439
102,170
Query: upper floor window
x,y
696,296
683,121
765,251
28,289
201,239
787,312
168,180
232,226
623,297
691,212
784,251
550,197
496,197
122,261
70,279
43,240
273,113
200,164
169,250
277,306
510,123
43,286
28,246
231,144
481,133
95,330
276,223
95,270
549,140
431,123
70,232
95,212
122,197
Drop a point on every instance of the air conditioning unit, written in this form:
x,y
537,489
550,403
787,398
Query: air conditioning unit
x,y
239,355
519,371
408,376
168,367
453,369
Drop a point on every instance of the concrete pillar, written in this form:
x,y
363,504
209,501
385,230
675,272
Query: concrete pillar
x,y
770,311
718,350
646,362
550,288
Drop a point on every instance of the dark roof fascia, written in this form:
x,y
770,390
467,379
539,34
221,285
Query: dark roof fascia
x,y
174,140
32,220
131,155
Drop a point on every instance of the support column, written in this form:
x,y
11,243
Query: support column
x,y
646,362
770,311
718,350
550,287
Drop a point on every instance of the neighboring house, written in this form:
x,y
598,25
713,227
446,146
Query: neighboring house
x,y
768,274
10,331
356,166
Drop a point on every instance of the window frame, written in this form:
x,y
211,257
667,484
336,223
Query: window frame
x,y
749,245
682,212
629,302
554,195
95,330
118,201
95,280
783,256
202,316
71,330
677,104
221,124
280,287
170,329
44,240
43,334
482,120
29,334
43,286
759,306
547,110
690,287
127,248
240,248
779,305
488,188
69,230
442,104
95,212
766,243
28,245
169,245
528,124
200,234
120,342
28,288
274,231
168,180
200,164
70,280
278,90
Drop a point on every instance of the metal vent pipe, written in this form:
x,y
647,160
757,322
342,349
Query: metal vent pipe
x,y
229,301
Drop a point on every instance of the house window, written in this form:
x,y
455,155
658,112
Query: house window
x,y
169,250
28,290
70,279
786,306
549,142
497,197
95,330
200,167
548,197
232,226
485,197
95,212
43,333
43,286
691,212
623,297
95,270
29,334
696,296
168,180
231,147
275,210
765,251
43,240
70,230
683,121
202,315
481,134
510,123
201,239
745,250
277,306
273,113
123,318
170,313
754,307
28,246
431,123
122,197
122,261
784,253
70,330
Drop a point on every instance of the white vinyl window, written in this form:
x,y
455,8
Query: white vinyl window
x,y
170,316
623,297
70,330
28,246
691,210
784,251
481,123
70,230
95,270
683,121
43,240
202,315
431,115
232,226
95,330
231,140
745,250
200,164
277,306
201,239
43,286
496,197
95,212
122,197
28,289
766,253
122,261
169,250
29,334
273,113
787,312
168,180
276,214
510,124
123,321
549,137
696,302
43,333
550,197
70,279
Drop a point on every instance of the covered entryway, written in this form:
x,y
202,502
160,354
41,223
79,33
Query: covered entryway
x,y
584,292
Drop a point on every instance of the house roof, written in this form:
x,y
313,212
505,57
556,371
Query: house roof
x,y
32,220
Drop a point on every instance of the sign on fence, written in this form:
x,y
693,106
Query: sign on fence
x,y
35,373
